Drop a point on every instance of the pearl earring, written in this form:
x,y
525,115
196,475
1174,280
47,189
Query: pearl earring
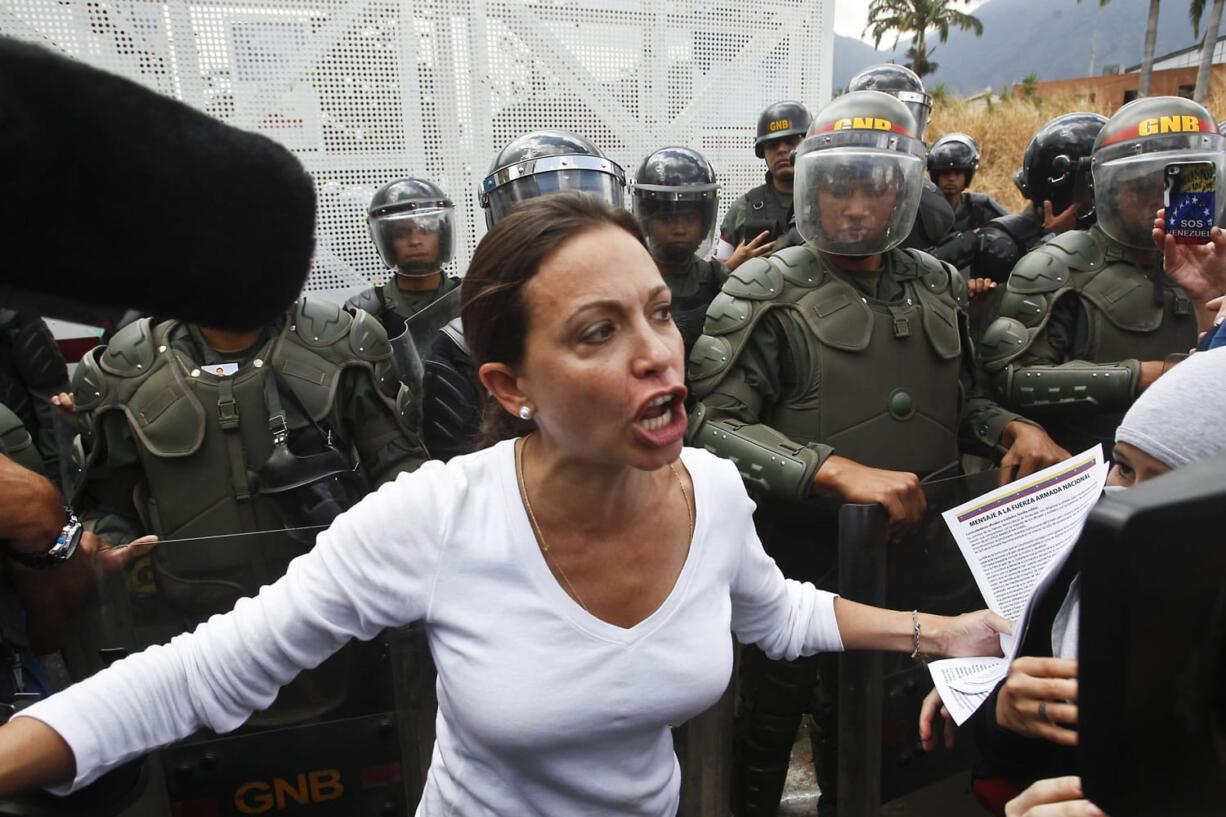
x,y
525,412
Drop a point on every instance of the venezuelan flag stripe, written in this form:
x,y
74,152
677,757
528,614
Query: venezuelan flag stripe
x,y
1031,488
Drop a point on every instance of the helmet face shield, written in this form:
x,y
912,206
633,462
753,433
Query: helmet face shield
x,y
677,224
1129,182
554,174
414,242
857,200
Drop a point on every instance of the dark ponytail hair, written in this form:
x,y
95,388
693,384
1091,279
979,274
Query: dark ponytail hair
x,y
493,311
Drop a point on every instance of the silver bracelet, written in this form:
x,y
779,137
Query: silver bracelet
x,y
915,637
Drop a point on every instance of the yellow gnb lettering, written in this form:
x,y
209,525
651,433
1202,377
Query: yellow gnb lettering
x,y
779,124
864,123
1168,124
258,797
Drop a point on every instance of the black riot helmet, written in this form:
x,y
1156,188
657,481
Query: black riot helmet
x,y
953,152
782,119
900,82
675,197
548,161
1056,165
405,217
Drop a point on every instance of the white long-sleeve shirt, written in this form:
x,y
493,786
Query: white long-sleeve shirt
x,y
544,709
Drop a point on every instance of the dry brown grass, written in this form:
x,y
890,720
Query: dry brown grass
x,y
1004,129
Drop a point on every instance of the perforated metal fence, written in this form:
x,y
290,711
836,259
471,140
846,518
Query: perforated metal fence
x,y
364,91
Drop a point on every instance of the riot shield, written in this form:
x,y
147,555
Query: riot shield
x,y
412,346
350,737
880,758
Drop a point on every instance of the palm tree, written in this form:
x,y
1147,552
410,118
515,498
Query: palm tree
x,y
1151,36
1205,72
917,17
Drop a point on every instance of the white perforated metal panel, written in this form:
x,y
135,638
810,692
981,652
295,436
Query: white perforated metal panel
x,y
364,91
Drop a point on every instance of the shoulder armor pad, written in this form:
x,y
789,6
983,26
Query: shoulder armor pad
x,y
131,352
757,279
368,338
1078,250
710,356
936,275
90,385
726,314
798,266
453,331
1004,339
369,299
957,288
1039,271
319,323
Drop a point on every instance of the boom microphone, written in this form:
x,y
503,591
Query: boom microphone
x,y
114,196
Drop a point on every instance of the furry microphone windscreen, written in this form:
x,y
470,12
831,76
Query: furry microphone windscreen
x,y
113,195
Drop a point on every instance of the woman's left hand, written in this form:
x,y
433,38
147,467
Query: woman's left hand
x,y
969,635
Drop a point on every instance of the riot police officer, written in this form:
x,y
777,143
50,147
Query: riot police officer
x,y
192,431
952,163
535,164
840,368
675,197
1090,319
757,220
411,225
935,218
32,371
1055,179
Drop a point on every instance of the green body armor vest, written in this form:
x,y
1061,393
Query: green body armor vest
x,y
1082,401
201,439
885,388
16,442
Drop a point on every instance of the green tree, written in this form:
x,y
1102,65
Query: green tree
x,y
1205,72
918,18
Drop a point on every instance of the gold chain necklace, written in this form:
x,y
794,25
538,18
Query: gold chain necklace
x,y
540,537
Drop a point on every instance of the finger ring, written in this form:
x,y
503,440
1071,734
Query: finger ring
x,y
1043,711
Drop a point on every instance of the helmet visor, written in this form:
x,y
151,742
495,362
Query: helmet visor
x,y
857,200
414,242
1128,191
598,183
677,224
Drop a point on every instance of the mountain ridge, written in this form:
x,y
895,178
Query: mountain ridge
x,y
1054,39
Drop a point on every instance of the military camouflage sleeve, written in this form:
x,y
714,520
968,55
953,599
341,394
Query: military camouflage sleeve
x,y
728,421
112,478
1050,377
384,446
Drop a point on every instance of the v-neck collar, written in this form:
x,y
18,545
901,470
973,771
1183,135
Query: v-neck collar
x,y
526,548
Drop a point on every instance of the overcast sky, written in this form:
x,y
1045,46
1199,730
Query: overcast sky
x,y
850,16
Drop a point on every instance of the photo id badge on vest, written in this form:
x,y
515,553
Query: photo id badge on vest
x,y
1191,201
221,369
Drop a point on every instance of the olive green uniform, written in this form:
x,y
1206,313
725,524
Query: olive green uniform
x,y
692,293
393,305
174,450
762,208
801,360
1079,315
171,448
